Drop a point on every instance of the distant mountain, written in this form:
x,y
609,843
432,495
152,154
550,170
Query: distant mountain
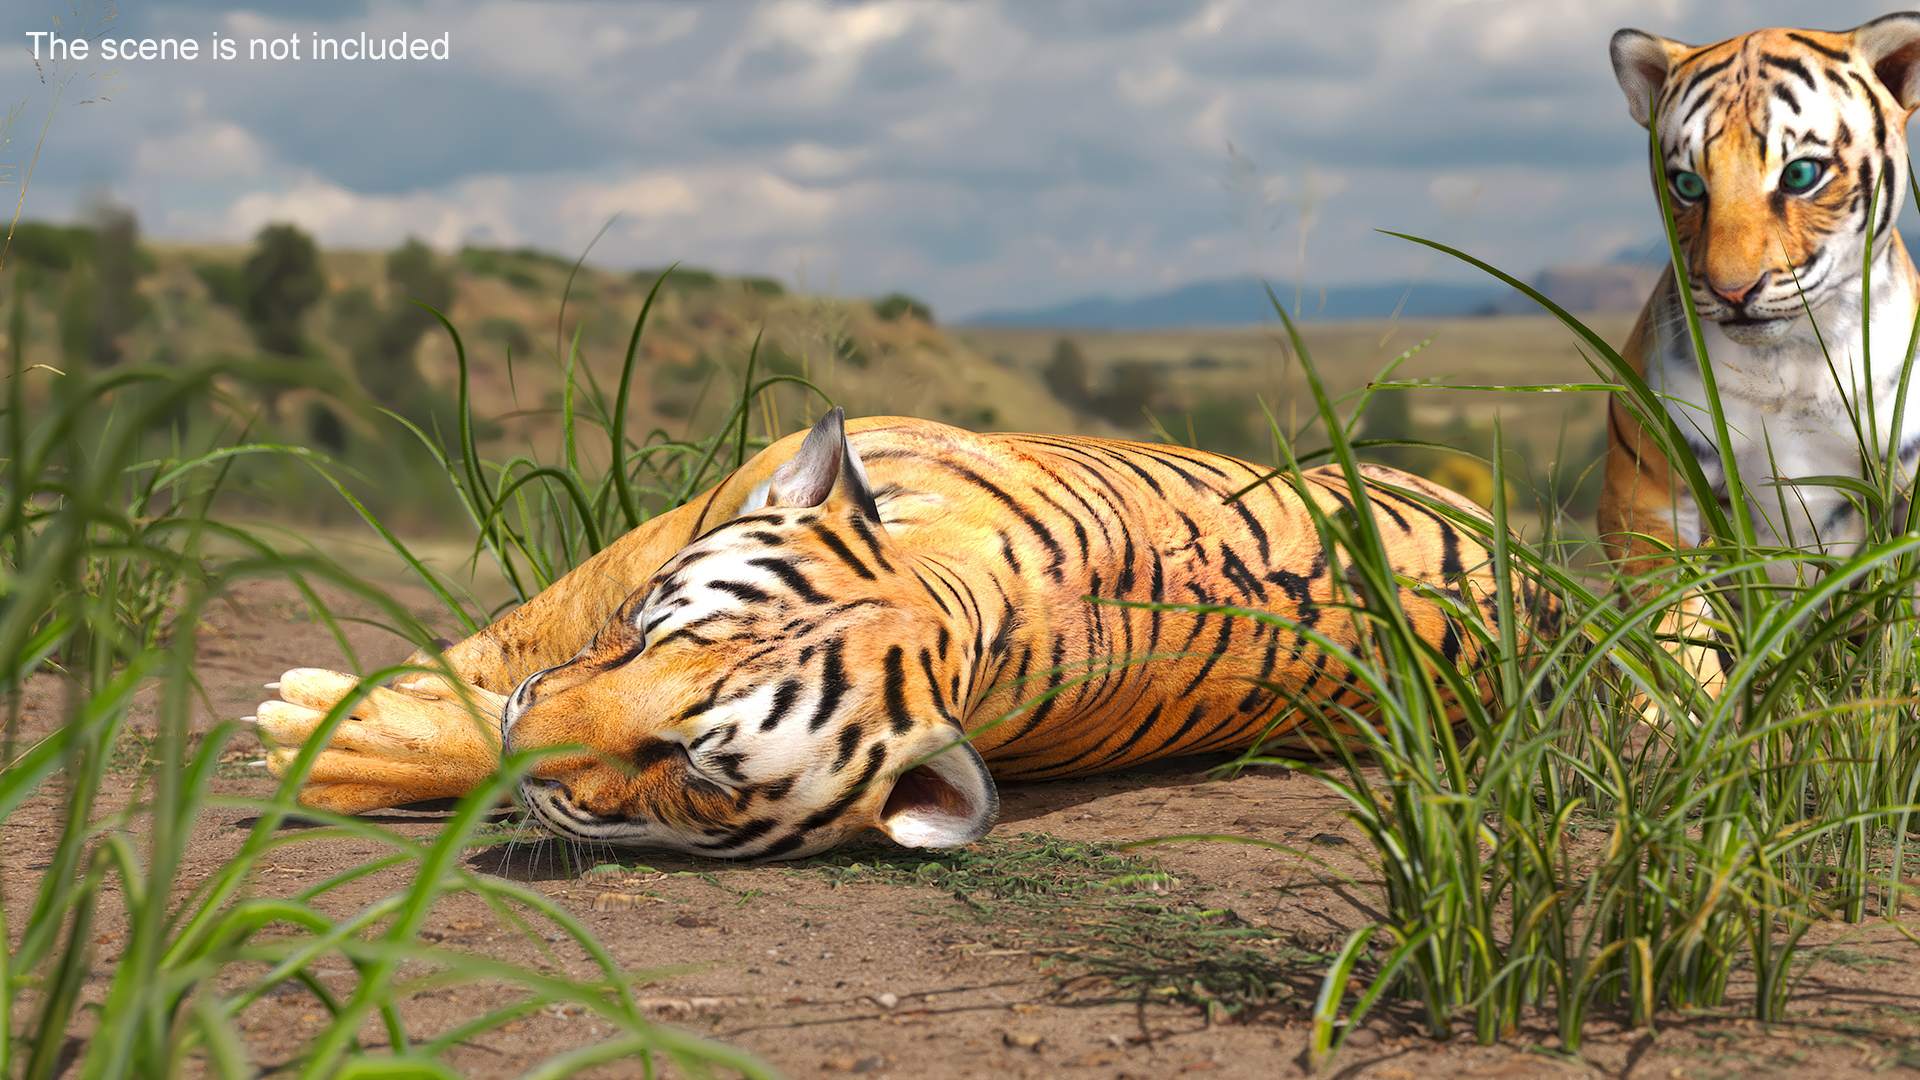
x,y
1244,300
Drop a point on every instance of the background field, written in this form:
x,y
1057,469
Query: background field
x,y
1606,868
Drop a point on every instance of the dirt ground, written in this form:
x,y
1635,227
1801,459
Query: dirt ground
x,y
884,963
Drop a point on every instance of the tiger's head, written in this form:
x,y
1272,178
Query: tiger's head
x,y
769,693
1784,150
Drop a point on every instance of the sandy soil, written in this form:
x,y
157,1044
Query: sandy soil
x,y
843,965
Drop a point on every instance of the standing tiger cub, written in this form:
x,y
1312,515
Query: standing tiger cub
x,y
1785,155
822,642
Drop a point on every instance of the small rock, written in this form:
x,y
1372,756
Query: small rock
x,y
1024,1040
886,999
1327,839
1363,1038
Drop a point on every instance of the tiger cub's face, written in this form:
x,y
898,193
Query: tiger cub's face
x,y
1782,149
763,696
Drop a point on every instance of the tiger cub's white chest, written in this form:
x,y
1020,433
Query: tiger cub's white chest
x,y
1797,409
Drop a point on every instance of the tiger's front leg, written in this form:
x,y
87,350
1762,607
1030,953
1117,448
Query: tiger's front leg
x,y
425,738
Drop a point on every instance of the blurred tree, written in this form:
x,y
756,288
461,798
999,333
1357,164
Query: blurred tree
x,y
1132,386
50,247
1066,375
279,282
224,283
899,306
118,264
102,266
1389,416
383,340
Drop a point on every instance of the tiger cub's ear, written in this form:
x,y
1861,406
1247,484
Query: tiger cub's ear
x,y
1891,45
1641,62
825,459
947,800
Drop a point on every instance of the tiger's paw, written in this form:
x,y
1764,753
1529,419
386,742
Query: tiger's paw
x,y
423,739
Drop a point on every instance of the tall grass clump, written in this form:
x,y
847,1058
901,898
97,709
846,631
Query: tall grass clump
x,y
1621,820
535,520
105,533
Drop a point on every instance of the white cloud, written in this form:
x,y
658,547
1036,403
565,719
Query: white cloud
x,y
212,151
978,153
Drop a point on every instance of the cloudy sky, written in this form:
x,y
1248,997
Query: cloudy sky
x,y
977,154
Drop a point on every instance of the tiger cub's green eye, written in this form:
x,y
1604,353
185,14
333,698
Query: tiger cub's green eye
x,y
1689,185
1800,175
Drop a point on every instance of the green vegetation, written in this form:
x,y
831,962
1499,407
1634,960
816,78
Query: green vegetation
x,y
1604,832
105,534
896,306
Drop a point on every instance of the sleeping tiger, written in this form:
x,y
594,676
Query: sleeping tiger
x,y
822,643
1785,154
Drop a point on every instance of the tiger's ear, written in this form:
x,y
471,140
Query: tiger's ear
x,y
1642,62
946,801
1890,45
826,459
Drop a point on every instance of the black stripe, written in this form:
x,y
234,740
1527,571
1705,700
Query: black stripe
x,y
1449,551
1832,54
1219,649
1253,526
1785,93
930,592
1383,500
833,684
750,593
783,698
1143,474
1040,531
933,687
849,742
745,834
1242,578
867,536
841,551
791,578
1788,63
1887,199
1132,740
876,757
1879,119
1172,741
1707,72
1079,530
1007,554
897,690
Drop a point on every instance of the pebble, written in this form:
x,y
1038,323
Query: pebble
x,y
1024,1040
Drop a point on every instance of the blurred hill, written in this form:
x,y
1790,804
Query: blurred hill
x,y
1243,301
329,339
331,352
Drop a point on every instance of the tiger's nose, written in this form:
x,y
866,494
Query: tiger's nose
x,y
1740,294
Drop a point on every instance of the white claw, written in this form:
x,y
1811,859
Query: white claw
x,y
249,719
270,686
261,764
